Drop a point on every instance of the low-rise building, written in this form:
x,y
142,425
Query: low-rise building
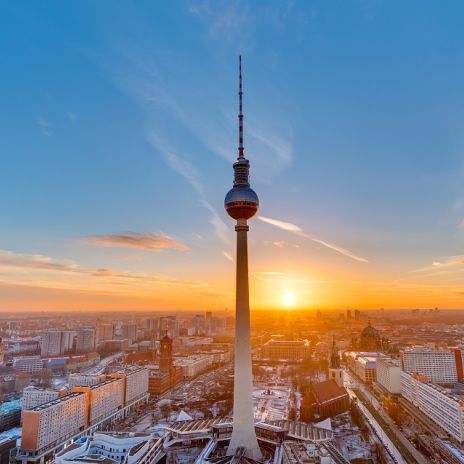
x,y
10,414
113,448
323,400
194,365
290,350
364,364
29,364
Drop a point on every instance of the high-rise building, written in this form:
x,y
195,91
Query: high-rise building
x,y
438,366
129,331
105,331
56,342
86,339
153,323
388,375
35,396
53,421
443,406
241,203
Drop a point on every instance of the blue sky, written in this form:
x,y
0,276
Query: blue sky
x,y
120,117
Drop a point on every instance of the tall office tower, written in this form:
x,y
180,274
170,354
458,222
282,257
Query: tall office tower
x,y
86,339
106,331
165,364
153,323
129,331
56,342
241,203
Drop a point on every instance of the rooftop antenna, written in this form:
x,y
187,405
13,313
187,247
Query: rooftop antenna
x,y
240,113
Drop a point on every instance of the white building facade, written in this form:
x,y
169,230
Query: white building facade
x,y
440,405
437,366
389,375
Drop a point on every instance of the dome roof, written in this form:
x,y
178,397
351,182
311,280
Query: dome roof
x,y
370,331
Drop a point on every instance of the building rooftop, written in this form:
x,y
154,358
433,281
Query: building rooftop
x,y
56,401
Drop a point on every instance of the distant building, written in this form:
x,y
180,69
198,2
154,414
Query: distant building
x,y
364,364
440,367
290,350
323,400
129,331
153,324
370,339
82,380
10,414
389,375
86,339
56,342
105,332
29,364
166,363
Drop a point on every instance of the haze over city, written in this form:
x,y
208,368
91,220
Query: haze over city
x,y
119,129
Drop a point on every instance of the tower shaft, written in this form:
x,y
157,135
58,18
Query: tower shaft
x,y
243,433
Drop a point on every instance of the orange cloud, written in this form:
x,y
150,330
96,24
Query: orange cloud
x,y
144,241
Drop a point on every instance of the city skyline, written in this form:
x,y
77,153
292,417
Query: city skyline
x,y
118,137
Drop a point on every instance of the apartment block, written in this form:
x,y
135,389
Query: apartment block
x,y
103,399
35,396
53,422
438,366
135,381
443,406
389,375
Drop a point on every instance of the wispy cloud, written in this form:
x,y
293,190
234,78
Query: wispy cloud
x,y
44,126
184,168
461,225
228,256
35,269
449,263
146,241
35,261
288,226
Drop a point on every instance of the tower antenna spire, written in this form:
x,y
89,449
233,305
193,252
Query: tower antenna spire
x,y
240,113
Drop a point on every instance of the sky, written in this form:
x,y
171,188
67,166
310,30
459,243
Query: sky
x,y
118,130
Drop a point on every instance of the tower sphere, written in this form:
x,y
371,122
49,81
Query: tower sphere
x,y
241,202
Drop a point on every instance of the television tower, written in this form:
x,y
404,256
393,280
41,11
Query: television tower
x,y
241,203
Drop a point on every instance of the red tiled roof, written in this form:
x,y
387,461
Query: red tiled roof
x,y
326,391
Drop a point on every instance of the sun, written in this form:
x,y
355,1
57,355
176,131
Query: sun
x,y
288,298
